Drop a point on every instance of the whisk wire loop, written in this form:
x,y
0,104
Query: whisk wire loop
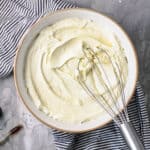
x,y
98,67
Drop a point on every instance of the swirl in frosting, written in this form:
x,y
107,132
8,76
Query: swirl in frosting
x,y
52,63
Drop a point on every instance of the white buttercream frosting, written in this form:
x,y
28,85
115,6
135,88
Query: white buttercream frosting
x,y
51,69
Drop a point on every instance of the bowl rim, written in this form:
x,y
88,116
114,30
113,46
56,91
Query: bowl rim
x,y
19,47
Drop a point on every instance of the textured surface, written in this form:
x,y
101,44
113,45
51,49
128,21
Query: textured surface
x,y
34,135
134,16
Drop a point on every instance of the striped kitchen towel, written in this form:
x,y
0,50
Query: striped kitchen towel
x,y
15,17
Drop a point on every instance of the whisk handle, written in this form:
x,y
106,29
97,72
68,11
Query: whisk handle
x,y
131,137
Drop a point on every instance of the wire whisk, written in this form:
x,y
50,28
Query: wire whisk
x,y
121,118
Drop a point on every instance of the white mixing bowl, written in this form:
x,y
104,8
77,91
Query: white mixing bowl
x,y
51,18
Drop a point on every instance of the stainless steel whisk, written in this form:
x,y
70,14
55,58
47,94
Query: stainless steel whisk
x,y
120,118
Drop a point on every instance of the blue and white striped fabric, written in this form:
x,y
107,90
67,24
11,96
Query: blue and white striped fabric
x,y
15,17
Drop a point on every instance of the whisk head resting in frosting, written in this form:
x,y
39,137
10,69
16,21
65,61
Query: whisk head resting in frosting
x,y
120,117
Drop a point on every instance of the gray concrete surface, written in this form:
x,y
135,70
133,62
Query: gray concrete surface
x,y
134,16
